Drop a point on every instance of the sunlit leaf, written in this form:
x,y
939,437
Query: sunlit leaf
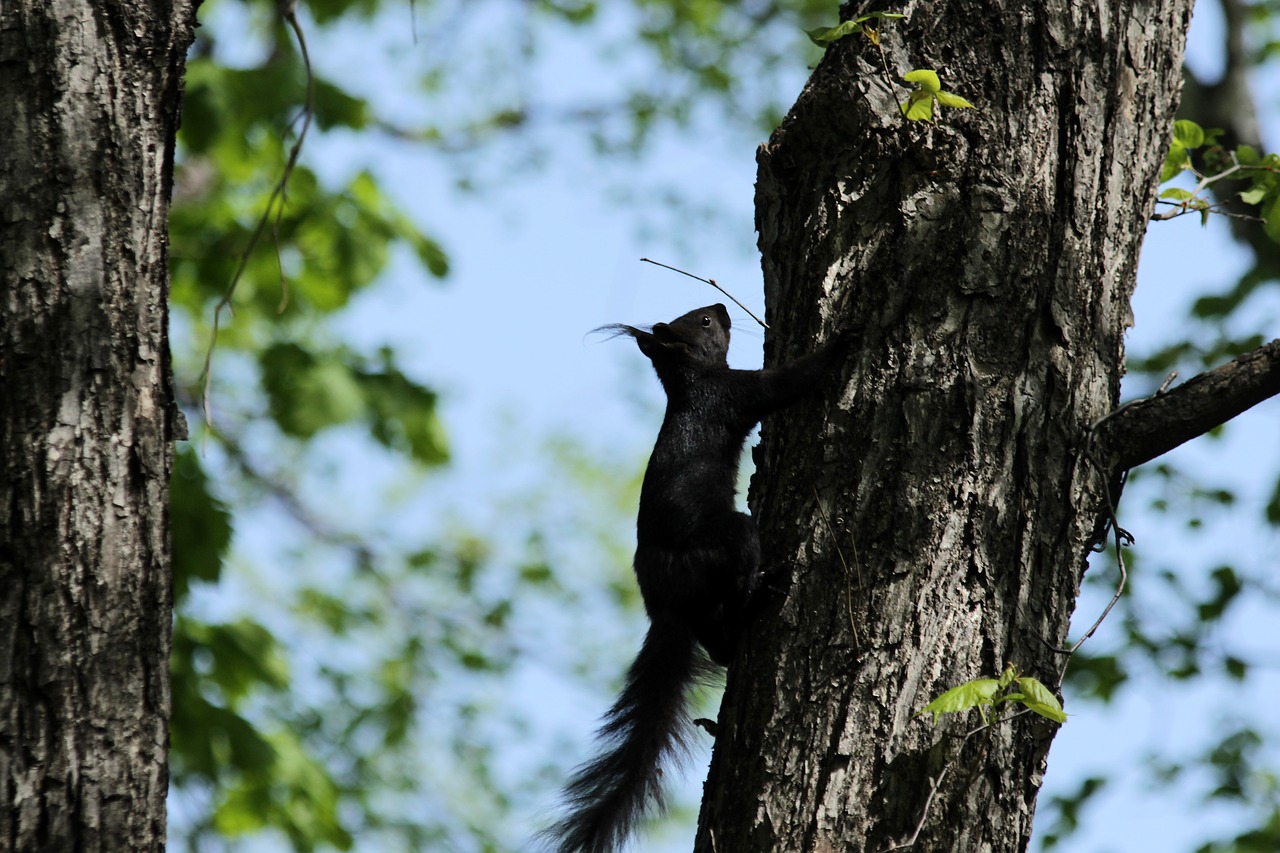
x,y
918,107
823,36
1248,155
1271,217
1038,698
971,694
947,99
200,523
925,80
1188,134
1174,162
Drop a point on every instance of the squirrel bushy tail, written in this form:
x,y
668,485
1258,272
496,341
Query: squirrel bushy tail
x,y
646,728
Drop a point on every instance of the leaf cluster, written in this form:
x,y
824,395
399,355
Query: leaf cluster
x,y
258,741
928,88
823,36
992,696
1259,173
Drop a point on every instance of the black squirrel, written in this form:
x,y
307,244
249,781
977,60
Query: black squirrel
x,y
697,563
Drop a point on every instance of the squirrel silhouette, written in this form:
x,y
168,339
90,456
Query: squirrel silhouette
x,y
697,563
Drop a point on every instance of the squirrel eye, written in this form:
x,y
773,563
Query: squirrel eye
x,y
706,322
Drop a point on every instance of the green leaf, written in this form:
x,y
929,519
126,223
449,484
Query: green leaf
x,y
403,415
246,748
1174,162
1271,215
980,691
1038,698
536,573
1228,586
1235,667
882,15
1273,506
918,107
200,523
1247,155
954,101
296,794
243,655
308,392
925,80
1097,677
1188,134
1255,195
823,36
431,254
335,108
1177,193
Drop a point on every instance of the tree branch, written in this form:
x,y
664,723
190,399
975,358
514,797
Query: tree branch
x,y
1141,431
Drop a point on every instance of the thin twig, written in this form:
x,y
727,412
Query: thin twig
x,y
1182,208
1203,182
1164,386
936,784
275,204
924,810
710,281
888,79
1122,537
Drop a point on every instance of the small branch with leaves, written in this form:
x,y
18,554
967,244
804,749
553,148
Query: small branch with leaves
x,y
1132,434
271,213
993,698
927,88
1244,163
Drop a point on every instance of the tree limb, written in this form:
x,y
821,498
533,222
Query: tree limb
x,y
1143,430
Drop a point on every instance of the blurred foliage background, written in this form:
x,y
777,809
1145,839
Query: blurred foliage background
x,y
370,655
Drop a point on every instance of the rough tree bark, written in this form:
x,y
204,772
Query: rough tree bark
x,y
89,101
987,260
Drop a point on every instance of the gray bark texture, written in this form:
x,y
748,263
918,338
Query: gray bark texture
x,y
89,102
936,510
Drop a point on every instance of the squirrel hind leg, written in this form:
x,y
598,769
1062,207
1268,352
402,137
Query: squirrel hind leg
x,y
717,638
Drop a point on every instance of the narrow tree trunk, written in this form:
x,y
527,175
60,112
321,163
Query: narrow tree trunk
x,y
987,261
89,99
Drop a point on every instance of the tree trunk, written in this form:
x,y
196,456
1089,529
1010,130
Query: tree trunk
x,y
987,260
89,101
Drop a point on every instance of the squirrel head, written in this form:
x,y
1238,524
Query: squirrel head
x,y
699,337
